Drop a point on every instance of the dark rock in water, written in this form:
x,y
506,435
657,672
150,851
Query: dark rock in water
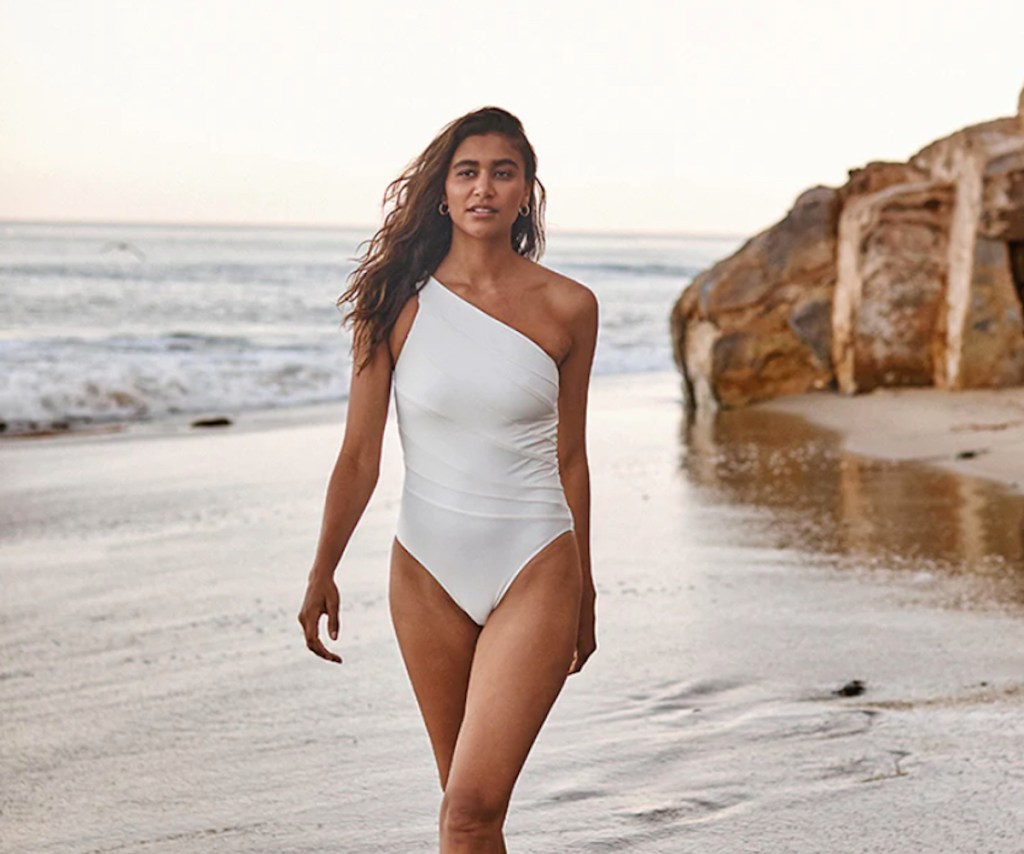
x,y
217,421
3,426
851,689
969,455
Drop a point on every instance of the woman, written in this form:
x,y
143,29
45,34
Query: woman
x,y
491,593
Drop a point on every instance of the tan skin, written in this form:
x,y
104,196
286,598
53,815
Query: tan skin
x,y
483,692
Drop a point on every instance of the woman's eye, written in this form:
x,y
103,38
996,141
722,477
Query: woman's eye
x,y
503,173
465,173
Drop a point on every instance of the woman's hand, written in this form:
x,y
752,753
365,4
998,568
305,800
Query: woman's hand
x,y
586,640
321,598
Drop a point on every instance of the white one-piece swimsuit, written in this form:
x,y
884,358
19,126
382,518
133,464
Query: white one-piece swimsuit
x,y
477,406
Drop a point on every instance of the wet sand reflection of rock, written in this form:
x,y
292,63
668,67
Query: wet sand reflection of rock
x,y
876,512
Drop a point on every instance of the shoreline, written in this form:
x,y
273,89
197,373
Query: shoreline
x,y
977,433
183,424
256,418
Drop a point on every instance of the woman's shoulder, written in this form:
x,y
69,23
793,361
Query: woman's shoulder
x,y
564,294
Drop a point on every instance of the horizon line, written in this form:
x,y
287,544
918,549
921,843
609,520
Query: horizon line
x,y
595,232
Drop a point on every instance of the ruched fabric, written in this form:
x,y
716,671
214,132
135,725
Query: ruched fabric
x,y
477,405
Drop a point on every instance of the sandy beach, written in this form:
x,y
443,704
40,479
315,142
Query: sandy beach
x,y
977,433
156,694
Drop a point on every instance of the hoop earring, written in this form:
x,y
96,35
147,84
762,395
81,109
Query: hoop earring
x,y
443,208
524,210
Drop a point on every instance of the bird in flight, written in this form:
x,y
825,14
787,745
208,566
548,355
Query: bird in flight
x,y
124,246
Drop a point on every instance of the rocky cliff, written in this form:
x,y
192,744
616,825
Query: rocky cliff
x,y
909,274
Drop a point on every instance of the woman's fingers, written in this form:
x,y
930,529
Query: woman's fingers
x,y
309,619
314,644
333,606
317,647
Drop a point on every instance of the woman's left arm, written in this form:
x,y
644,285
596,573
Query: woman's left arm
x,y
574,384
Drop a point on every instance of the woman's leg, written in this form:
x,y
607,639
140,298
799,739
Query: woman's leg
x,y
436,639
520,664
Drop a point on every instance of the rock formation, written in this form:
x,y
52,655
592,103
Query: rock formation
x,y
909,274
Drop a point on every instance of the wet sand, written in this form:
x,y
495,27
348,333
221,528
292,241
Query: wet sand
x,y
156,694
978,432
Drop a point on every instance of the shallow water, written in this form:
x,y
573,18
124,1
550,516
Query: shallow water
x,y
156,695
862,513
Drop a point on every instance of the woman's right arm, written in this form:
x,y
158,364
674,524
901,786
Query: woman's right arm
x,y
351,484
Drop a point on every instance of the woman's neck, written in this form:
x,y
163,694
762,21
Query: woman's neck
x,y
478,262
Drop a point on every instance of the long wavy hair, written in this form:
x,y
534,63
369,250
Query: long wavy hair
x,y
415,237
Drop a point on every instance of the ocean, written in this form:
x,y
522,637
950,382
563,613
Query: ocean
x,y
112,323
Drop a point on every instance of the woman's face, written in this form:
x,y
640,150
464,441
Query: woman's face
x,y
486,186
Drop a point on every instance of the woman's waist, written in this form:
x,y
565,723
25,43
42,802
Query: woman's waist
x,y
511,497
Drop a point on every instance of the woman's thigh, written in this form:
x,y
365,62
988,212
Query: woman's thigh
x,y
437,641
520,663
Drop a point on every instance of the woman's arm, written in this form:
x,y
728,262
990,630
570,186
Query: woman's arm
x,y
574,384
348,491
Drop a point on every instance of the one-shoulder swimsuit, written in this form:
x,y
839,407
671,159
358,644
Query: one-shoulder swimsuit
x,y
477,407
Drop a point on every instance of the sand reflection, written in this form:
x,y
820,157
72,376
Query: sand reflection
x,y
872,512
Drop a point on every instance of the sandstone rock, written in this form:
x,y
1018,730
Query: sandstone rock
x,y
909,274
890,287
753,326
992,341
877,176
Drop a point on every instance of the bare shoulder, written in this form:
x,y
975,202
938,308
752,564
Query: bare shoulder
x,y
572,301
573,306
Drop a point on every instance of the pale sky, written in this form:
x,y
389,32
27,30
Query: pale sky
x,y
701,116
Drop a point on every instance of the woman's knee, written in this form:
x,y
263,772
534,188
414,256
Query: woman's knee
x,y
469,810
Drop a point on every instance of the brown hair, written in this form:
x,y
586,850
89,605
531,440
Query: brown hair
x,y
415,237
